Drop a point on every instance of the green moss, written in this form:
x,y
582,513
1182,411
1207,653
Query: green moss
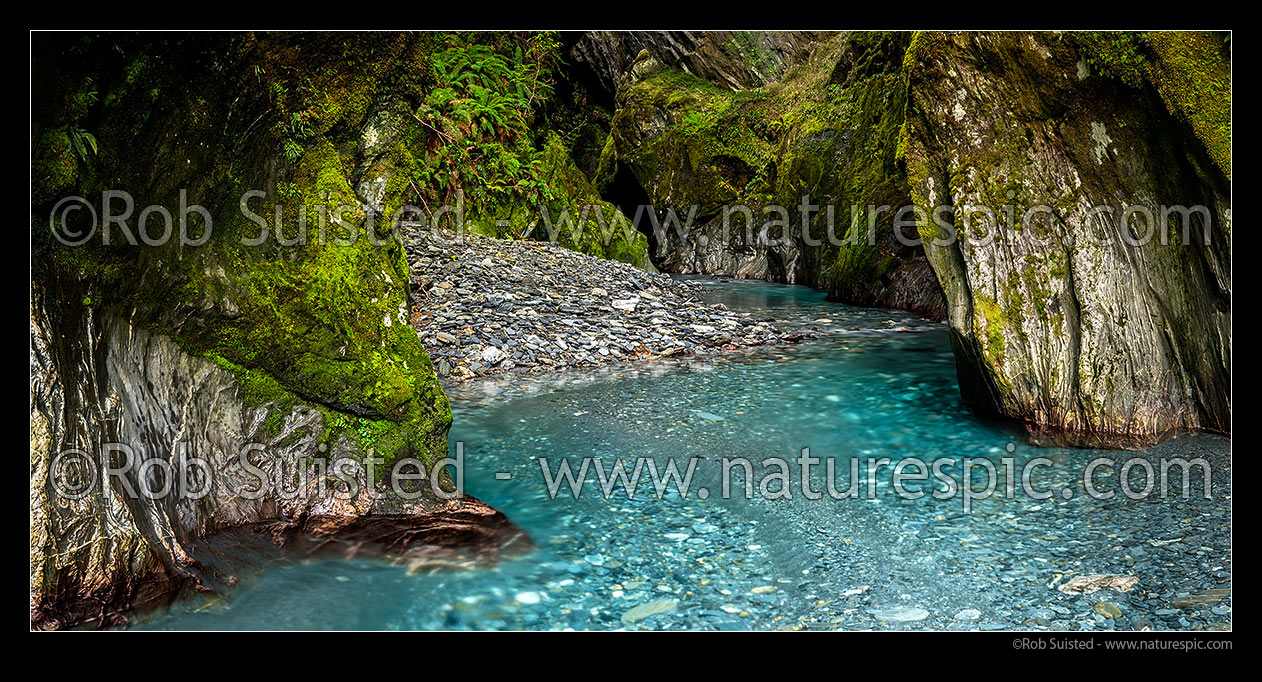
x,y
594,226
991,331
714,145
1192,72
831,136
1116,54
607,165
321,321
55,166
916,44
1040,296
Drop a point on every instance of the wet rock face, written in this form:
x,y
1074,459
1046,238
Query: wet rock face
x,y
734,60
1073,321
97,380
192,350
821,134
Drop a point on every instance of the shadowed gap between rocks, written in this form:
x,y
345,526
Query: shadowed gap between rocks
x,y
626,192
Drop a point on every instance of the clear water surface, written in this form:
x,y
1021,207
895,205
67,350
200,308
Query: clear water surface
x,y
876,383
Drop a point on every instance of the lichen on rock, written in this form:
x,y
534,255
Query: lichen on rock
x,y
826,130
244,331
1077,321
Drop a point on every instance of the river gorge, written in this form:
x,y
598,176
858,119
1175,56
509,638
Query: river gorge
x,y
551,258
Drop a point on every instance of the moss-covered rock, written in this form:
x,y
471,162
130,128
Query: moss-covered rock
x,y
1067,312
595,227
826,130
1190,70
320,305
1011,122
275,313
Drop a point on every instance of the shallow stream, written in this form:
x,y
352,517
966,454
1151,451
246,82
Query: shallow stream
x,y
875,384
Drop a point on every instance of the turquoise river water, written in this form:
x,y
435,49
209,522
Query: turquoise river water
x,y
875,384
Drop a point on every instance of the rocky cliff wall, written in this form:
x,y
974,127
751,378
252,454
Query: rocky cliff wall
x,y
1080,318
1066,323
108,541
196,341
754,170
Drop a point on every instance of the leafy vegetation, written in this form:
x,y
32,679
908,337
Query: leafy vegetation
x,y
479,116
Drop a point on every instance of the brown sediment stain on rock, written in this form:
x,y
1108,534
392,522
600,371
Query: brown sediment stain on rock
x,y
1080,324
467,535
1200,598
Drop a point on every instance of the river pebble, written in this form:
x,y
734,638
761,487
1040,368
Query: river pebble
x,y
485,306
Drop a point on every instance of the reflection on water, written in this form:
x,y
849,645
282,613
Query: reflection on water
x,y
875,384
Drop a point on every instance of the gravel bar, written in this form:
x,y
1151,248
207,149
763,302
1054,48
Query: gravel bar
x,y
484,306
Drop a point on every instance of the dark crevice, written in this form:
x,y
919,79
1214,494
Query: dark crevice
x,y
580,75
626,192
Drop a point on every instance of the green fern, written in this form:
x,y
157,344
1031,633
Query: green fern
x,y
480,112
84,143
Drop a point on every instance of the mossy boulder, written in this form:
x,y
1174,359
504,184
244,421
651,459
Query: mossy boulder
x,y
319,303
207,337
1075,304
827,130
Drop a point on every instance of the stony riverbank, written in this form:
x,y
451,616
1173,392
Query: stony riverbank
x,y
485,306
